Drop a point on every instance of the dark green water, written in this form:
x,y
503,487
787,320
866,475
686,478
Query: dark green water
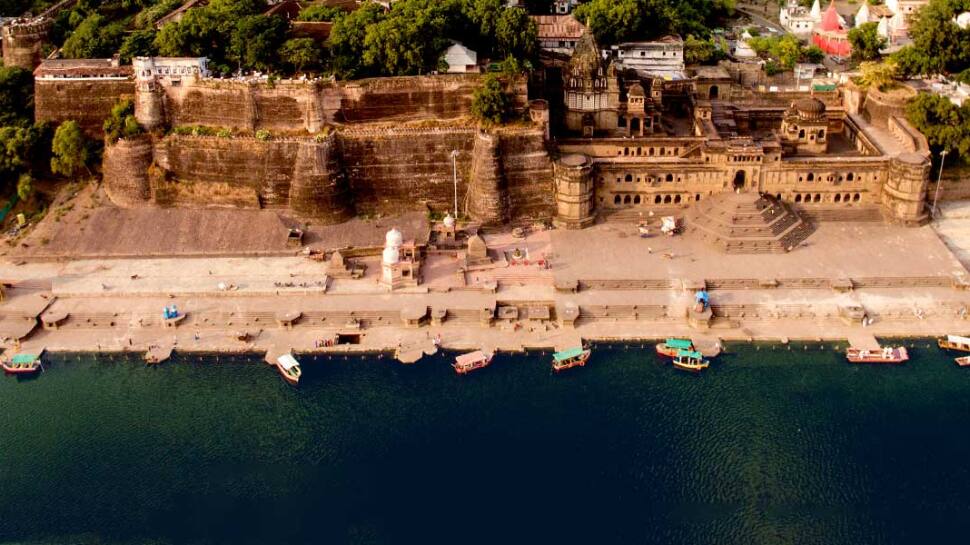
x,y
769,446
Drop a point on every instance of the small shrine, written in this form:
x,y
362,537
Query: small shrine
x,y
400,262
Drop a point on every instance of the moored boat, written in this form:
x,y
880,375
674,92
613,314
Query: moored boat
x,y
690,360
963,361
889,354
467,363
289,369
954,342
671,347
22,364
573,357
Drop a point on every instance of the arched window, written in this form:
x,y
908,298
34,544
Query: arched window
x,y
810,177
777,196
666,199
617,199
849,177
629,178
636,199
657,199
818,197
626,200
856,197
639,152
801,133
838,197
651,151
626,151
669,178
798,197
663,151
676,199
697,196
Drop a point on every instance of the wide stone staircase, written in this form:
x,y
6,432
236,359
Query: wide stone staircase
x,y
747,223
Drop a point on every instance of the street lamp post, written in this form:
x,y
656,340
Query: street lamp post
x,y
939,178
454,170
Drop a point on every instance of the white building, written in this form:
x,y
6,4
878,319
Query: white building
x,y
564,7
461,60
799,20
173,69
903,11
742,50
663,57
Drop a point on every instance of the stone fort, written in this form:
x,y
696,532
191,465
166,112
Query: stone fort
x,y
608,142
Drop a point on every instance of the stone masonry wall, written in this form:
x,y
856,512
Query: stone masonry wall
x,y
87,101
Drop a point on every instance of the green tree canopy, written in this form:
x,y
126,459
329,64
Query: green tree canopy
x,y
320,12
140,43
614,21
945,125
302,54
939,45
121,123
490,104
94,38
70,150
16,96
256,40
866,42
211,31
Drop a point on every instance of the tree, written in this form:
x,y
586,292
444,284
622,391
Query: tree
x,y
489,102
140,43
70,150
813,53
945,125
866,42
18,148
208,32
121,123
302,54
700,51
613,21
878,74
939,45
16,96
320,12
516,34
25,186
255,41
347,40
94,37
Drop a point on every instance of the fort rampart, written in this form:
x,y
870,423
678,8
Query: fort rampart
x,y
365,172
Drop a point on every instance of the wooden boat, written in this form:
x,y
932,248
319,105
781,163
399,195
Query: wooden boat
x,y
22,364
466,363
955,342
888,354
671,347
574,357
963,361
289,369
690,360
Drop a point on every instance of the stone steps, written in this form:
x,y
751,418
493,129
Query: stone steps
x,y
748,223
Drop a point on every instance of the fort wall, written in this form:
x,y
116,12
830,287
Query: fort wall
x,y
85,100
23,42
366,172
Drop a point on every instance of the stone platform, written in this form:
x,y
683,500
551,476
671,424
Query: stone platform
x,y
747,223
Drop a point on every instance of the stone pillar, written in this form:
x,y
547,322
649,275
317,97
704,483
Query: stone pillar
x,y
23,41
149,105
574,192
125,166
320,189
487,196
904,191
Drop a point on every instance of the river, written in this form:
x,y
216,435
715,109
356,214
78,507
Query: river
x,y
773,444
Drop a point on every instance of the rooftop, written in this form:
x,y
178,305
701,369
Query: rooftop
x,y
558,26
82,68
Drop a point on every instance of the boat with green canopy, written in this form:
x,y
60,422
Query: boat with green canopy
x,y
690,360
671,347
573,357
22,364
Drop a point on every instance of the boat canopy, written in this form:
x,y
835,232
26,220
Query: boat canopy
x,y
567,354
956,339
287,362
471,357
689,354
24,358
681,344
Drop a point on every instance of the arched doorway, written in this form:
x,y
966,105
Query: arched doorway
x,y
635,125
739,180
712,92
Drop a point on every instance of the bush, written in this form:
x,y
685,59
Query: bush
x,y
121,123
264,135
490,103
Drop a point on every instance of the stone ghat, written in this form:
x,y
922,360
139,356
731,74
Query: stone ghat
x,y
331,179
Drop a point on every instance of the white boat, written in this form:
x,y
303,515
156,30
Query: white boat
x,y
289,368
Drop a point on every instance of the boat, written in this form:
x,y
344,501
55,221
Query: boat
x,y
963,361
955,342
574,357
466,363
888,354
671,347
22,364
289,369
690,360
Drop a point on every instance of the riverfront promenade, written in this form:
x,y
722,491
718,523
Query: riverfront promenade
x,y
602,283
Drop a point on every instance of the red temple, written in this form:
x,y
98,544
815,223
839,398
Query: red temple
x,y
830,35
